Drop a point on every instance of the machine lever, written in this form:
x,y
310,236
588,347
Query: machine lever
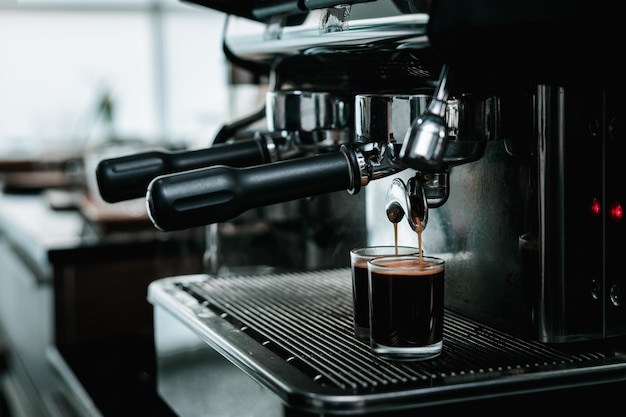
x,y
220,193
128,177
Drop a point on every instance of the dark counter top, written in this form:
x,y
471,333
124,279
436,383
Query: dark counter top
x,y
43,235
79,287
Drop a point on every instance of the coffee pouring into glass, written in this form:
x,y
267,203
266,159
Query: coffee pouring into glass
x,y
393,132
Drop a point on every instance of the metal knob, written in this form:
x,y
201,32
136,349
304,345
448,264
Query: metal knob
x,y
425,142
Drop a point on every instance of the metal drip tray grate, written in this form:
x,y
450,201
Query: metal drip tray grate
x,y
293,332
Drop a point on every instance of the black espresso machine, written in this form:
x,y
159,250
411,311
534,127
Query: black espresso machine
x,y
499,124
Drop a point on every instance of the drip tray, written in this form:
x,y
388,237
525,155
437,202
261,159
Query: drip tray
x,y
292,334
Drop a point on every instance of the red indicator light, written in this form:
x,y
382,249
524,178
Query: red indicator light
x,y
616,212
595,207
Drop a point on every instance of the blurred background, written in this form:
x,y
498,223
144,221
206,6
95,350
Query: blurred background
x,y
157,62
81,80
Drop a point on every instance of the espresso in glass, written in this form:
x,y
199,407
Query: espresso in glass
x,y
406,306
360,287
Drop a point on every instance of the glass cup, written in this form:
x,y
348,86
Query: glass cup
x,y
406,306
360,292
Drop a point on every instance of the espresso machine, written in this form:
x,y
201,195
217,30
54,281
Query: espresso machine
x,y
498,126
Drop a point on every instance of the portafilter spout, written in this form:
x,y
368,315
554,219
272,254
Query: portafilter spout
x,y
409,200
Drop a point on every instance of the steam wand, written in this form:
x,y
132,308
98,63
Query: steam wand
x,y
426,141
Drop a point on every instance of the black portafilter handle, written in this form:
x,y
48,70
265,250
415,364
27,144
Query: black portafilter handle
x,y
220,193
128,177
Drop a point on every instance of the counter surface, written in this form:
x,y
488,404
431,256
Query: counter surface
x,y
73,311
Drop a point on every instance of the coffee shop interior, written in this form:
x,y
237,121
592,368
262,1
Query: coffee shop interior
x,y
182,183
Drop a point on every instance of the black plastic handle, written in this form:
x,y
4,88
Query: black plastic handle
x,y
128,177
220,193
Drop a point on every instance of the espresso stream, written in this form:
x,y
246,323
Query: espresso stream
x,y
419,238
